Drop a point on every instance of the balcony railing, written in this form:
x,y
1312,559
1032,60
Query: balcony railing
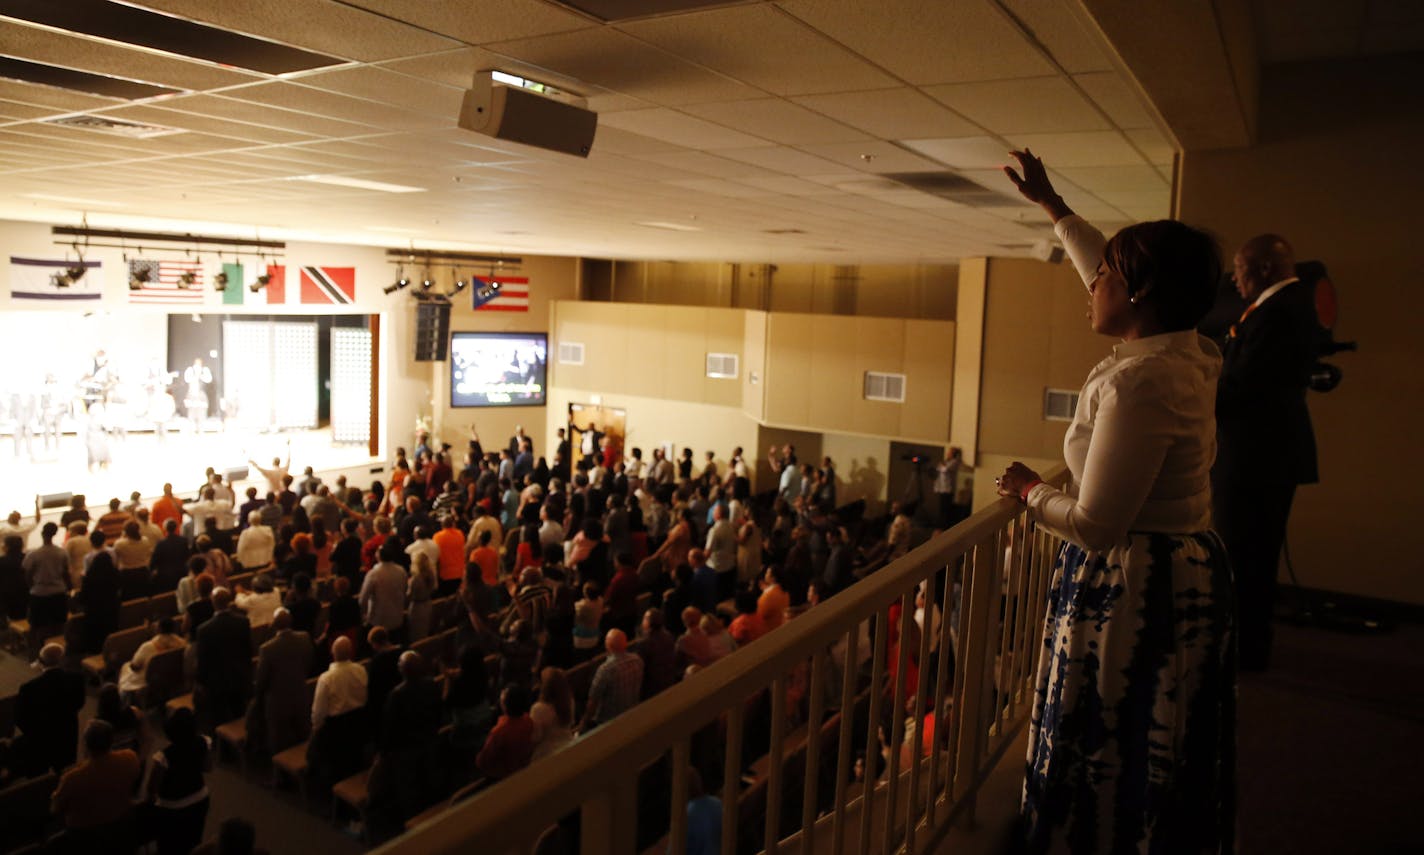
x,y
796,707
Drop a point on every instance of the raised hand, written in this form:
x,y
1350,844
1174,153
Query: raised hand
x,y
1035,184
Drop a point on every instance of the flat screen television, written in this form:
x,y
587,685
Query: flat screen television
x,y
498,369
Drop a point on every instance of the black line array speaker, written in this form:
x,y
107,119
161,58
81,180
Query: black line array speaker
x,y
432,331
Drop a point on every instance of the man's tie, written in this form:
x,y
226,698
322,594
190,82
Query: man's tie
x,y
1241,320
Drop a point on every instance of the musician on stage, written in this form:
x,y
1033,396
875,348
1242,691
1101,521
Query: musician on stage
x,y
197,377
161,406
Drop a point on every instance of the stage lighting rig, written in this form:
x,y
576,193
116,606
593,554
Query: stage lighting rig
x,y
262,281
187,278
402,281
139,277
461,283
428,282
489,289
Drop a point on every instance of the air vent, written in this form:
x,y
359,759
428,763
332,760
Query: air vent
x,y
1059,405
722,366
130,25
956,188
880,386
570,353
79,81
104,125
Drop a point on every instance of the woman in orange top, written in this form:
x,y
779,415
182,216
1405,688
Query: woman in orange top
x,y
322,544
747,626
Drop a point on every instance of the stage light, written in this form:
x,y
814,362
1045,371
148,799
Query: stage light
x,y
70,275
401,282
460,284
489,290
187,278
427,283
139,278
262,282
220,281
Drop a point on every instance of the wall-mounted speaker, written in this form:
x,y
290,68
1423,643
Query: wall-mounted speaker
x,y
523,116
432,331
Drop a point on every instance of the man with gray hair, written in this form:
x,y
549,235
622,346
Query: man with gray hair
x,y
47,714
279,711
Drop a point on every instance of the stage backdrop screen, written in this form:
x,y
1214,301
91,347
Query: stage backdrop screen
x,y
498,369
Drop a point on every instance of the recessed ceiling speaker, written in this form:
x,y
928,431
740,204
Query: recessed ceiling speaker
x,y
522,115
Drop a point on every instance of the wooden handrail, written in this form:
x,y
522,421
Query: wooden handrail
x,y
596,770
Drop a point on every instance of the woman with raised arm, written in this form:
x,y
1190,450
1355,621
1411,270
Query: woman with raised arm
x,y
1132,734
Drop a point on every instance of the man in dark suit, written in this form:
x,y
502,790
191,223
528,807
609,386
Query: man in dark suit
x,y
224,675
382,673
401,780
1265,444
281,710
47,714
170,559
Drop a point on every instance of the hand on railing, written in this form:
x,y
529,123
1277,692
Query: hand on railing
x,y
1017,480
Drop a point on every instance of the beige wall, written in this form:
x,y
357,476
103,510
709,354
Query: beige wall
x,y
1036,336
862,468
1336,172
816,364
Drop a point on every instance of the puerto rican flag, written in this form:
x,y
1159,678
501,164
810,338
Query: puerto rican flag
x,y
328,285
163,282
511,295
48,279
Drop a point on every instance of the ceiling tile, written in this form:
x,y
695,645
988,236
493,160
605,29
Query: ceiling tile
x,y
1116,98
979,152
680,129
891,114
777,120
388,87
762,46
721,187
493,21
1117,179
1031,105
303,99
57,100
1154,147
928,41
1058,28
618,141
99,57
327,26
623,64
781,159
873,156
1061,151
152,115
785,185
709,165
255,113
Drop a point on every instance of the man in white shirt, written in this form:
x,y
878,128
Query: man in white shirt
x,y
209,506
146,529
550,531
424,543
261,602
722,552
338,716
256,544
278,471
382,596
484,521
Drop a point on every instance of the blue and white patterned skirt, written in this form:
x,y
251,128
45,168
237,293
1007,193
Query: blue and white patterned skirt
x,y
1132,741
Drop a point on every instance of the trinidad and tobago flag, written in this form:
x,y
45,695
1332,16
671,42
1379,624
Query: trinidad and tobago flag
x,y
326,285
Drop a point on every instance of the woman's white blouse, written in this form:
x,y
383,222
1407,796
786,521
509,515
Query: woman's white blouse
x,y
1143,439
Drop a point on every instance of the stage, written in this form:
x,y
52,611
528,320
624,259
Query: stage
x,y
144,463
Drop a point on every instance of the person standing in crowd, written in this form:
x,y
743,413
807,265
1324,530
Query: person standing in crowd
x,y
1132,729
946,485
224,673
47,575
338,716
1264,440
94,800
176,787
47,715
382,595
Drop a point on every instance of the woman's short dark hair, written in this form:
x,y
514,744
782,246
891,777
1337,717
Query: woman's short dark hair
x,y
1176,267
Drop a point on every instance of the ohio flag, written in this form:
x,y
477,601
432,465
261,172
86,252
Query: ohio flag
x,y
166,282
51,279
511,295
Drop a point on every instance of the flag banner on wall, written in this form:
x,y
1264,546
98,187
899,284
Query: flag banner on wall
x,y
328,285
162,282
236,286
51,279
276,284
512,295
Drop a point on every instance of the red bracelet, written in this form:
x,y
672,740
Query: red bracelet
x,y
1023,494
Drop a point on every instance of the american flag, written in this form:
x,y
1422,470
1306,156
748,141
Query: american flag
x,y
161,281
512,295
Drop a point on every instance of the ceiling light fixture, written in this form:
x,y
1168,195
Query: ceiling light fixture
x,y
672,227
356,183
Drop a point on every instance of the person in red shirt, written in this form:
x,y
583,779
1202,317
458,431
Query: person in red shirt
x,y
371,549
747,626
451,542
168,507
484,557
511,742
620,602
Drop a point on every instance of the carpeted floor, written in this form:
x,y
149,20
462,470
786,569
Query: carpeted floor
x,y
1330,744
